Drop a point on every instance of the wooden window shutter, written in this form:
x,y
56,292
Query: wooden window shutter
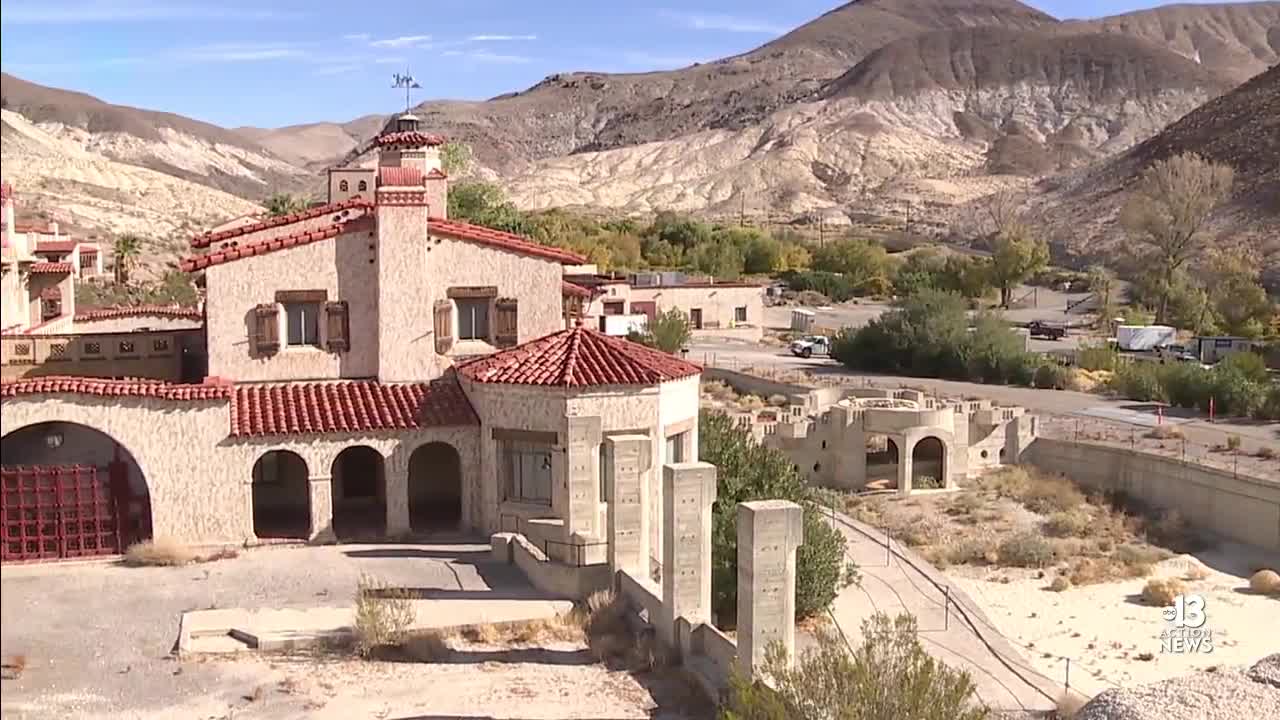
x,y
507,332
339,327
266,338
443,326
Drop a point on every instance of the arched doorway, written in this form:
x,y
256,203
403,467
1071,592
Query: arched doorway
x,y
359,494
928,464
69,490
281,496
435,487
882,463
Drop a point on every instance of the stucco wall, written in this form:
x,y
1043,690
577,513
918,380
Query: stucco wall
x,y
38,282
717,302
344,267
13,310
203,493
1243,509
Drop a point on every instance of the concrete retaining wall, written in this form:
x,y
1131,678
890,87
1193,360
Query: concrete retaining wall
x,y
551,577
1240,508
753,385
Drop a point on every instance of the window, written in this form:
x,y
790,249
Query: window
x,y
343,186
528,469
675,449
604,474
88,260
362,186
443,326
740,314
50,308
614,307
302,320
473,318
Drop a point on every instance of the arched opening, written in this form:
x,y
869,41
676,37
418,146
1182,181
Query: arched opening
x,y
882,463
69,490
359,494
343,186
928,464
281,496
362,186
435,487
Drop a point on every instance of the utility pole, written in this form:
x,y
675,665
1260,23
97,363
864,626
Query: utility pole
x,y
742,209
822,235
908,216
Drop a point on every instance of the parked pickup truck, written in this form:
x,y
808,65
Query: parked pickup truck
x,y
810,346
1048,332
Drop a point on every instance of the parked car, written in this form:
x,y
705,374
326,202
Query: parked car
x,y
811,345
1046,331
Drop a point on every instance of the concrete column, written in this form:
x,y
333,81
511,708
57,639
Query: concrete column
x,y
629,466
769,531
582,444
905,446
688,490
321,503
396,475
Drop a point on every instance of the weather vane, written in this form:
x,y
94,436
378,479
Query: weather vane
x,y
407,82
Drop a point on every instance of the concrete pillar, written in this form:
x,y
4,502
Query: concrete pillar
x,y
629,467
582,444
769,531
321,503
905,446
688,490
396,474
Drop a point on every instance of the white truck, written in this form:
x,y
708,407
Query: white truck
x,y
811,345
1142,338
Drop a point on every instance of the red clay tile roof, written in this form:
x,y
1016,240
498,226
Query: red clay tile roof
x,y
169,311
397,176
61,385
348,406
568,288
410,138
55,246
499,239
578,357
262,247
6,190
436,173
202,241
48,267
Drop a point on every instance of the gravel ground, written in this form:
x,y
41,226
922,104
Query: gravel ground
x,y
96,638
1223,695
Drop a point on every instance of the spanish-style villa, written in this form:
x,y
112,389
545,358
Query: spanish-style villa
x,y
366,368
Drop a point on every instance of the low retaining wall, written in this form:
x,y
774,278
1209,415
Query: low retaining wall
x,y
753,385
1240,508
550,577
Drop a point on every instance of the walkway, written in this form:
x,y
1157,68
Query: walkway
x,y
956,632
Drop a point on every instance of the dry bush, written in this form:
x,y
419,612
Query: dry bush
x,y
778,400
1265,582
161,552
921,530
1266,452
1172,531
1164,432
1233,442
483,634
1026,549
1071,523
1161,592
980,550
964,504
383,615
425,646
1140,556
1070,704
1051,493
750,402
1195,574
1010,482
1060,584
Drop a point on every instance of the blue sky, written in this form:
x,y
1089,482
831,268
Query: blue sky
x,y
291,61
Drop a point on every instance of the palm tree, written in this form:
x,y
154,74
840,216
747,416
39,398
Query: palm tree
x,y
284,204
125,250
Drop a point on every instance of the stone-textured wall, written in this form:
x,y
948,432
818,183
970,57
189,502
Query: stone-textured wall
x,y
534,282
353,176
1243,509
134,323
344,267
156,355
13,301
202,494
38,282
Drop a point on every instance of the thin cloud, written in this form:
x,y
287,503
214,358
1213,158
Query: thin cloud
x,y
335,70
500,38
357,37
401,42
124,11
232,52
723,23
390,61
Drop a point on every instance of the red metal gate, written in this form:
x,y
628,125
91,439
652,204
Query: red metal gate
x,y
51,512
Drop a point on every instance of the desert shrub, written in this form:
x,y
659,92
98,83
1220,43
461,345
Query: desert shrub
x,y
1050,376
1164,432
1171,530
1070,704
750,471
1265,582
1026,549
889,676
1097,357
922,530
1068,523
1266,452
980,550
777,400
1269,407
1233,442
159,552
1161,592
383,615
1195,574
1009,481
1060,584
1234,392
1185,384
1138,381
1049,493
1251,366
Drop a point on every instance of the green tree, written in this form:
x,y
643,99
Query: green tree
x,y
485,204
124,252
889,677
1167,214
455,157
679,230
866,264
794,257
721,260
762,255
748,471
660,253
1239,301
1017,255
284,204
1102,284
669,331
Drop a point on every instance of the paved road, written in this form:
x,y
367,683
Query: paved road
x,y
951,627
1057,402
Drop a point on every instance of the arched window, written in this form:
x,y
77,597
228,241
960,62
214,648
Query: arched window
x,y
362,186
343,186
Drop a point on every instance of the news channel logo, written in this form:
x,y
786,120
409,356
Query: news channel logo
x,y
1186,633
